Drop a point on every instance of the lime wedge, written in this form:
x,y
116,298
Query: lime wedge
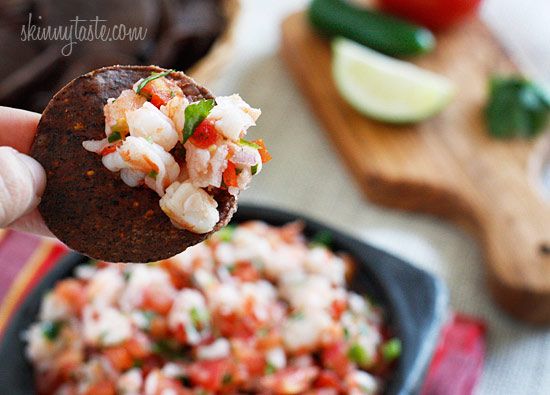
x,y
385,88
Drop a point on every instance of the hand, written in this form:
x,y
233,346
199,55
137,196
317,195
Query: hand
x,y
22,179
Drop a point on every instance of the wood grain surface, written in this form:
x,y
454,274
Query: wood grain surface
x,y
448,166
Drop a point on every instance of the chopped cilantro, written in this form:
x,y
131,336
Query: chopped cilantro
x,y
152,77
115,136
138,363
346,333
298,315
51,329
322,238
270,368
226,234
195,113
391,349
250,144
153,174
254,169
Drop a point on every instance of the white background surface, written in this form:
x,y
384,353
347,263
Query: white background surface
x,y
307,176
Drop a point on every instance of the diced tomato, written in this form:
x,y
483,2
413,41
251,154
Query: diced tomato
x,y
166,385
68,362
73,293
108,150
231,325
178,278
264,153
151,363
159,327
159,302
269,340
328,379
209,374
137,348
245,271
248,356
335,357
205,135
230,175
337,307
160,91
120,358
291,380
104,387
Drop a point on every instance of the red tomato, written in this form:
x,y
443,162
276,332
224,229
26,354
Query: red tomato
x,y
328,379
119,357
209,375
335,358
73,293
205,135
160,91
247,355
156,301
264,153
435,14
230,175
104,387
245,271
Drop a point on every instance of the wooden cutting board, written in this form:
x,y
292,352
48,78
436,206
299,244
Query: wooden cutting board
x,y
447,166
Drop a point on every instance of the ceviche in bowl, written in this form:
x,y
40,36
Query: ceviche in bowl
x,y
259,308
255,308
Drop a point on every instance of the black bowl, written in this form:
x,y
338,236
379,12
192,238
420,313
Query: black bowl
x,y
415,303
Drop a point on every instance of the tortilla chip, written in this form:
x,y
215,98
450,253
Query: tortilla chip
x,y
88,207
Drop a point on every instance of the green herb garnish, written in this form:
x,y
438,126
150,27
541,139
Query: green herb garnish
x,y
516,108
138,363
391,349
358,354
250,144
298,315
346,333
152,77
194,114
254,169
270,368
153,174
51,329
226,233
322,238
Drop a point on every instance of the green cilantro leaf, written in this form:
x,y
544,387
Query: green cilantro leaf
x,y
51,329
152,77
357,354
195,113
250,144
115,136
226,233
322,238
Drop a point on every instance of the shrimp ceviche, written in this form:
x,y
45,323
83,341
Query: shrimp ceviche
x,y
255,309
155,137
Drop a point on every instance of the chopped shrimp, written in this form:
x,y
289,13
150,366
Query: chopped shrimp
x,y
175,110
138,154
116,109
232,116
190,207
149,122
206,166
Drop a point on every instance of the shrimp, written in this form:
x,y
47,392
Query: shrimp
x,y
190,207
149,122
206,167
232,116
175,110
115,110
136,153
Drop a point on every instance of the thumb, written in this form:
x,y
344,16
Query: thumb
x,y
22,182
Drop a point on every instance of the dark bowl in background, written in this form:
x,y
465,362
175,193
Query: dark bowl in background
x,y
414,300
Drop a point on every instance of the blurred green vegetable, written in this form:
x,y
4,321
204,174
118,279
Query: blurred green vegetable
x,y
516,108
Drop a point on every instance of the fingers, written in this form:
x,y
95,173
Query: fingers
x,y
17,128
22,182
32,223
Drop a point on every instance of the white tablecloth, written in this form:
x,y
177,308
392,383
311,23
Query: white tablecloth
x,y
307,175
